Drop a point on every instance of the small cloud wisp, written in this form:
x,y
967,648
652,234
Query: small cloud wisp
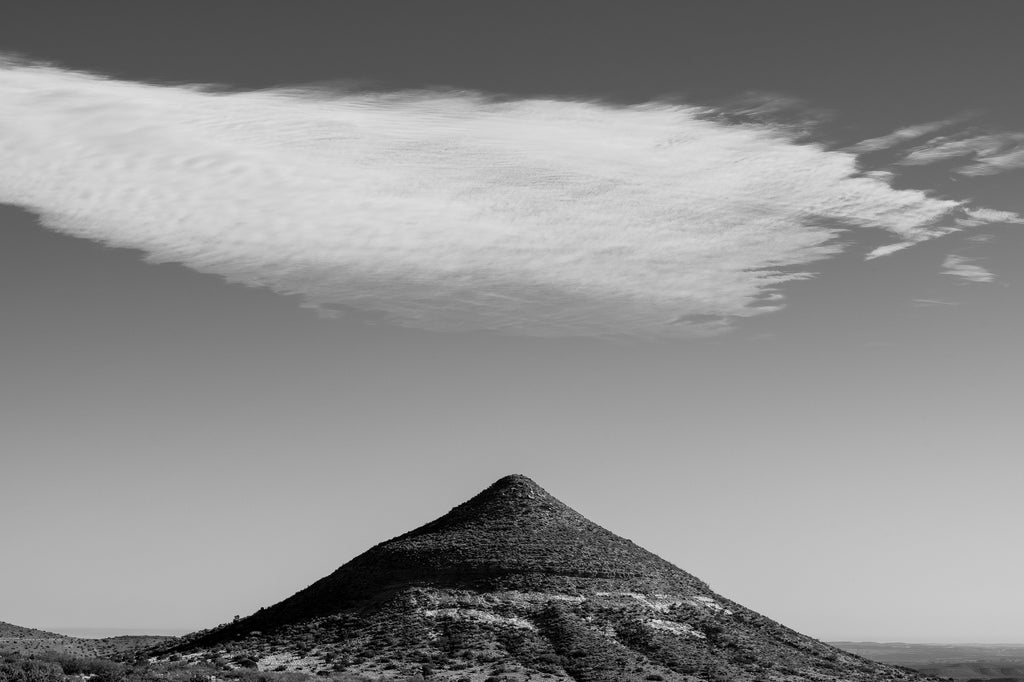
x,y
965,269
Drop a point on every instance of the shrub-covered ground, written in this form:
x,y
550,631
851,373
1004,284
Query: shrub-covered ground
x,y
54,667
465,636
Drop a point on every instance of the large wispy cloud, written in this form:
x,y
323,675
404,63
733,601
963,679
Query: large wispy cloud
x,y
449,210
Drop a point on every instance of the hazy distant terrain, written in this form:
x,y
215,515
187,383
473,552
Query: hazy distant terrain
x,y
1002,662
108,633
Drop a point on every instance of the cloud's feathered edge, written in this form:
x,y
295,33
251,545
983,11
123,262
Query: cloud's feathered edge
x,y
451,210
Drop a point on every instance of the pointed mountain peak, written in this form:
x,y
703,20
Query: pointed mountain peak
x,y
518,483
513,499
513,487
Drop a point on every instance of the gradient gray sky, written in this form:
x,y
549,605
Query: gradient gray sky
x,y
178,450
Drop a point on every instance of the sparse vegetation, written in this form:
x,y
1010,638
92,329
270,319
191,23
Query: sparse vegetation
x,y
16,667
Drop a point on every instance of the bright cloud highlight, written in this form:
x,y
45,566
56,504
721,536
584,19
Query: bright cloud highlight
x,y
450,211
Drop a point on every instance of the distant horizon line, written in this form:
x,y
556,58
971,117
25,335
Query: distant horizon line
x,y
100,632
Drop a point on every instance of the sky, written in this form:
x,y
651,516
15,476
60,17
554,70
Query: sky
x,y
738,281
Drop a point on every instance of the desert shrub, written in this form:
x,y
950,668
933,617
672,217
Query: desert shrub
x,y
101,669
28,670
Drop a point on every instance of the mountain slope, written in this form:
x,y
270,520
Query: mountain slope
x,y
514,584
22,640
29,642
9,631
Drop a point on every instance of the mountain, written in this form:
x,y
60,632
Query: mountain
x,y
515,585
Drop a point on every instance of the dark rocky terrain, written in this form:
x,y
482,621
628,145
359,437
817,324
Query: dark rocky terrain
x,y
515,585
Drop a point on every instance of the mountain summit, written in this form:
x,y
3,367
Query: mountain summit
x,y
514,584
515,534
